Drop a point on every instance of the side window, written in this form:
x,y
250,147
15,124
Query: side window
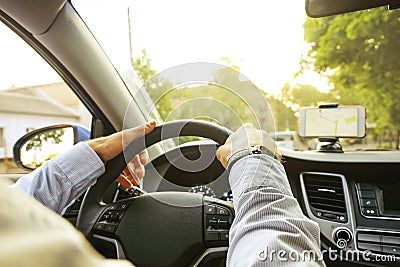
x,y
32,95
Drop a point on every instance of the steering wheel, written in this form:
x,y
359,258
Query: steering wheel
x,y
161,228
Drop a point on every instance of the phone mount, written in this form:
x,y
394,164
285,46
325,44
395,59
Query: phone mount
x,y
329,144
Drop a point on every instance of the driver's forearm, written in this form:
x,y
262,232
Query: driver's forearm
x,y
60,181
268,217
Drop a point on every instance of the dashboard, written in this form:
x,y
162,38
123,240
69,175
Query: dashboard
x,y
353,196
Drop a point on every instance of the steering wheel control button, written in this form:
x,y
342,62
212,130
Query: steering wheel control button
x,y
212,236
222,211
110,228
223,224
119,206
111,217
213,223
218,218
217,222
122,206
99,226
105,217
211,209
116,216
224,236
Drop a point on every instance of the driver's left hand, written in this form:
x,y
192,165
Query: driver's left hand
x,y
110,146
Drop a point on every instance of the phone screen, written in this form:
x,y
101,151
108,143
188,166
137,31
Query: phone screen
x,y
335,122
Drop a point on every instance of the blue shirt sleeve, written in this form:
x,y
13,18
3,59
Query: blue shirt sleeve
x,y
270,228
60,181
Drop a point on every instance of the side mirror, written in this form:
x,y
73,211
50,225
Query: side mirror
x,y
322,8
36,147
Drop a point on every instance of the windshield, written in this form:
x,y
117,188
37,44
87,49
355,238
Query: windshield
x,y
258,61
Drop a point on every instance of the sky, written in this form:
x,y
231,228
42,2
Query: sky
x,y
264,38
19,64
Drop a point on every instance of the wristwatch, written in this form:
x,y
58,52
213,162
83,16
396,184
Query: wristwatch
x,y
253,150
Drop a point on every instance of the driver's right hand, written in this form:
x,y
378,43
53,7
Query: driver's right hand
x,y
245,137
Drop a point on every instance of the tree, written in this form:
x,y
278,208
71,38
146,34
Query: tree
x,y
361,49
51,136
143,68
155,85
226,99
305,95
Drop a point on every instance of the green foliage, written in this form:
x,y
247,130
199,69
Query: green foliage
x,y
155,85
53,136
227,100
142,66
363,51
284,117
305,95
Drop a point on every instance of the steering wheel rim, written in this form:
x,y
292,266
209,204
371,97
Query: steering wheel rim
x,y
92,204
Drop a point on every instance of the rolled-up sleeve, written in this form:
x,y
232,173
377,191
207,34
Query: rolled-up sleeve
x,y
269,228
60,181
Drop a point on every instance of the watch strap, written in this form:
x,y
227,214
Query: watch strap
x,y
253,150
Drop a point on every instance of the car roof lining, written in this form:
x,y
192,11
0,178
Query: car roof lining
x,y
35,16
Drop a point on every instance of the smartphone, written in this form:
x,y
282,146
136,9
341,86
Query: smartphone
x,y
344,121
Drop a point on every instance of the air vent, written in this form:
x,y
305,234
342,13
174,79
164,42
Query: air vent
x,y
325,196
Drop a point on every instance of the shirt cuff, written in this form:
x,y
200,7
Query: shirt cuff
x,y
81,165
255,171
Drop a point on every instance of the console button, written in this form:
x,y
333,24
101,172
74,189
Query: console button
x,y
365,187
391,249
369,238
368,203
370,211
371,247
212,236
211,209
391,239
367,194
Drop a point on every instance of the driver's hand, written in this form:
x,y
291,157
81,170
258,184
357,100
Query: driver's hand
x,y
110,146
245,137
134,171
